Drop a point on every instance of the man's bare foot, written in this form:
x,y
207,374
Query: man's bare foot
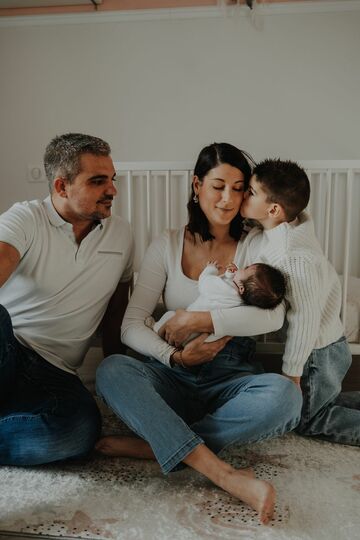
x,y
124,447
258,494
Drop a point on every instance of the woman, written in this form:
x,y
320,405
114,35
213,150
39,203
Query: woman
x,y
188,404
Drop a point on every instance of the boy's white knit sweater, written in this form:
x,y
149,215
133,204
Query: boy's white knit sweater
x,y
313,287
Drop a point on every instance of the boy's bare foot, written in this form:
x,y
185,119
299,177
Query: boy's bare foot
x,y
258,494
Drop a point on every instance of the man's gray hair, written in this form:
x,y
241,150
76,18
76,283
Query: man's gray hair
x,y
62,155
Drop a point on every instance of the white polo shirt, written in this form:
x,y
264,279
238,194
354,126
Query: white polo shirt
x,y
59,292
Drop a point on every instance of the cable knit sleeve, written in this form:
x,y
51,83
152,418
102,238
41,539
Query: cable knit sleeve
x,y
147,291
247,320
304,313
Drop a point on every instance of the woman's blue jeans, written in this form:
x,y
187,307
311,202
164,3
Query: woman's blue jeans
x,y
327,412
225,401
46,414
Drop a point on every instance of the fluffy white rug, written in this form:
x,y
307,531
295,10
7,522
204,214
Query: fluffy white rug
x,y
318,486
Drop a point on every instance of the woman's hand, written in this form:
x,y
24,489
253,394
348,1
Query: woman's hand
x,y
198,352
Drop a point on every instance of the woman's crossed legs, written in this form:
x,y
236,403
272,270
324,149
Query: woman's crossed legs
x,y
153,400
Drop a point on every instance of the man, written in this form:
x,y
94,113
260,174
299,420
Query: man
x,y
65,267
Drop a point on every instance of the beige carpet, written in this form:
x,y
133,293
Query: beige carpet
x,y
318,487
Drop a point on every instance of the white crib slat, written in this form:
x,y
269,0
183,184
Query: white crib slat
x,y
332,241
318,207
148,206
349,189
130,197
189,184
310,205
167,199
327,212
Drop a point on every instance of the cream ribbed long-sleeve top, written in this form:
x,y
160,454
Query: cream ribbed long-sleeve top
x,y
313,287
161,274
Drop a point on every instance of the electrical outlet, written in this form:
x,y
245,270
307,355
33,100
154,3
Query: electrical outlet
x,y
36,173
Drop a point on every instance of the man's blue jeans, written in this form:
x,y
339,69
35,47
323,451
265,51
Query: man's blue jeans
x,y
219,403
46,414
327,412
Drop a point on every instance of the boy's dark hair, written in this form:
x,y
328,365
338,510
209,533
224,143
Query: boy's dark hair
x,y
286,183
266,288
210,157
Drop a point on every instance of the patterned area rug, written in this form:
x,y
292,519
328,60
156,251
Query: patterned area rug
x,y
318,486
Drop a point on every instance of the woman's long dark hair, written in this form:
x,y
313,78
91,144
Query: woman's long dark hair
x,y
210,157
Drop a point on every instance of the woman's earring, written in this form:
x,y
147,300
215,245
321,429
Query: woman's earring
x,y
195,199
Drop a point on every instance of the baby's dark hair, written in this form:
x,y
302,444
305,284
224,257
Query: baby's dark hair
x,y
266,288
285,183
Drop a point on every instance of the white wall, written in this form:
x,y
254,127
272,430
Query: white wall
x,y
161,90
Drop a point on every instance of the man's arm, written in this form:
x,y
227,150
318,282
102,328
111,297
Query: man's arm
x,y
9,259
111,323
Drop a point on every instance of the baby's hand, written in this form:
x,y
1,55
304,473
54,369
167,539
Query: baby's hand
x,y
213,263
231,267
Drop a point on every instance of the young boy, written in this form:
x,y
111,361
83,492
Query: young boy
x,y
316,352
258,285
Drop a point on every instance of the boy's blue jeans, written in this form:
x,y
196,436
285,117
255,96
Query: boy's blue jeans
x,y
46,414
228,400
327,412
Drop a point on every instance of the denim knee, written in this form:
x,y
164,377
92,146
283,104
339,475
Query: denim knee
x,y
284,400
85,429
35,439
113,369
78,433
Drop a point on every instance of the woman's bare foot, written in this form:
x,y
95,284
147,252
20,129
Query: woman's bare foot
x,y
247,472
124,447
240,483
258,494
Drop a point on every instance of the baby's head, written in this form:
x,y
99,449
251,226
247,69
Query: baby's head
x,y
260,285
